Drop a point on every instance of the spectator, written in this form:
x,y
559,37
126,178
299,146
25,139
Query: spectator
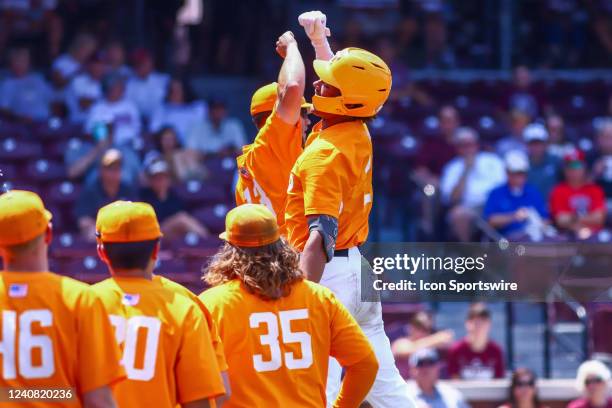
x,y
184,164
421,335
174,220
86,89
515,206
24,95
31,20
519,119
66,66
559,141
147,88
435,152
428,392
476,357
107,188
543,166
523,392
218,133
592,381
116,113
577,205
602,161
177,112
114,54
522,95
82,158
467,180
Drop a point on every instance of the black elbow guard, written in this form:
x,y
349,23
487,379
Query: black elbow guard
x,y
328,228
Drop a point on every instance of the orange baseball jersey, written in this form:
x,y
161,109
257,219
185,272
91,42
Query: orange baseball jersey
x,y
333,176
212,326
265,164
55,334
167,349
278,351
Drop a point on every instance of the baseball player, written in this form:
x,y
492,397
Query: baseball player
x,y
167,348
280,114
279,329
330,194
55,333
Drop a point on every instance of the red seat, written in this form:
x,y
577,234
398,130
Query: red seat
x,y
63,193
601,322
89,269
197,194
72,246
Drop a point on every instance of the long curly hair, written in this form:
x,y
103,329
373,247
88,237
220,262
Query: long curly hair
x,y
268,271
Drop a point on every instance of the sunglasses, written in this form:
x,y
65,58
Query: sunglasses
x,y
525,383
590,381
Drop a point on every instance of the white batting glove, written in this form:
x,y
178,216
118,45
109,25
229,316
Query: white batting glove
x,y
315,26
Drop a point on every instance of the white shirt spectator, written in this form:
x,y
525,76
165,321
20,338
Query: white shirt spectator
x,y
205,138
487,173
82,86
122,114
147,93
28,96
66,65
181,117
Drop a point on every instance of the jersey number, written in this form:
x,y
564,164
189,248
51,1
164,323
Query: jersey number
x,y
126,331
271,340
21,335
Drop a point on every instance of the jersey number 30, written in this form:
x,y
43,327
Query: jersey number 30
x,y
126,330
271,339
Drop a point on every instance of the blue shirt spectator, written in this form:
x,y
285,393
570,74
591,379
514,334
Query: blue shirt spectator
x,y
509,206
24,94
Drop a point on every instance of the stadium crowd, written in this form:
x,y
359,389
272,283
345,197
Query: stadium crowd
x,y
533,159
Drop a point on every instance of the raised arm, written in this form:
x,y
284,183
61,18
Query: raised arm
x,y
315,26
291,79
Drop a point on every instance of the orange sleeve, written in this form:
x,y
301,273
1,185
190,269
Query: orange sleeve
x,y
357,382
197,373
353,351
97,350
320,172
214,335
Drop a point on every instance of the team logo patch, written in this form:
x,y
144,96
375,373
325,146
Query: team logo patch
x,y
245,173
18,290
130,299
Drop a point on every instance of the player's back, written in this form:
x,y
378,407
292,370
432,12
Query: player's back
x,y
53,332
265,164
278,350
167,350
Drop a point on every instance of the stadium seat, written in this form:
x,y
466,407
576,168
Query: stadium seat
x,y
43,170
15,150
73,246
198,194
63,193
213,217
13,130
601,322
89,269
56,129
222,170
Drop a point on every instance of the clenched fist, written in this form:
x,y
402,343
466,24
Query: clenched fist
x,y
284,41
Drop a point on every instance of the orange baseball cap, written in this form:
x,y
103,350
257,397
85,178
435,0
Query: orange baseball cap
x,y
264,98
23,217
250,225
127,221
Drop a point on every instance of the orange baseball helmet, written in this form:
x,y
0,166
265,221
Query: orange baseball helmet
x,y
264,98
364,81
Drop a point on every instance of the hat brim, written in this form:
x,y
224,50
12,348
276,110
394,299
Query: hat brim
x,y
323,71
